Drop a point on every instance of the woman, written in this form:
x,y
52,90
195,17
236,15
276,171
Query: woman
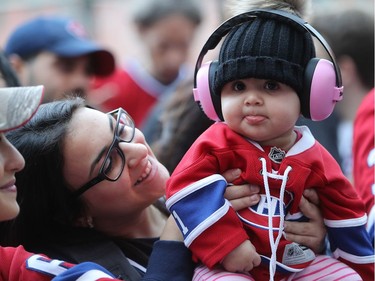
x,y
90,191
17,106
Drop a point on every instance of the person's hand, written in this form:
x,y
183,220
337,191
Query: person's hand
x,y
242,259
171,231
312,233
240,196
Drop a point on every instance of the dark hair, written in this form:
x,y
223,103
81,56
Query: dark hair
x,y
9,75
43,196
147,12
351,33
182,122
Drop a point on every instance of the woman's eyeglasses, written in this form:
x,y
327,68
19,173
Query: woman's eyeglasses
x,y
114,161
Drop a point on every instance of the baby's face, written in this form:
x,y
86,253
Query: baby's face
x,y
262,110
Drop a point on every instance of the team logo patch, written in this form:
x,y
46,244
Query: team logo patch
x,y
257,215
76,29
276,154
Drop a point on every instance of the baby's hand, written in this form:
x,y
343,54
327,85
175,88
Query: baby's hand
x,y
242,259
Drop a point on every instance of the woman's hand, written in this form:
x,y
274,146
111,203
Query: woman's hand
x,y
313,232
240,196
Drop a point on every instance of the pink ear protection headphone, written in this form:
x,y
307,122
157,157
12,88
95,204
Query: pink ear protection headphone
x,y
322,78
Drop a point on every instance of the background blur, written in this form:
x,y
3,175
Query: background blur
x,y
109,21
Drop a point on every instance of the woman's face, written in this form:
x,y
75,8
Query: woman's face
x,y
141,183
11,162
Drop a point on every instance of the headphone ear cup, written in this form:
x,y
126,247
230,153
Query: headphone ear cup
x,y
320,90
203,95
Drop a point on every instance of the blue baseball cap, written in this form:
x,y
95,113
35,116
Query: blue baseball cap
x,y
62,36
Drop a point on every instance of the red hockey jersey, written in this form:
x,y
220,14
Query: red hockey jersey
x,y
212,228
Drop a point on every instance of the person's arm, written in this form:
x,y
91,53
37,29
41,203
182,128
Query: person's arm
x,y
170,259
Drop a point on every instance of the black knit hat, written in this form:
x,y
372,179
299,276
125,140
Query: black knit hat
x,y
265,48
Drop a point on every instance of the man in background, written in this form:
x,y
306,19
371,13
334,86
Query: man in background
x,y
56,52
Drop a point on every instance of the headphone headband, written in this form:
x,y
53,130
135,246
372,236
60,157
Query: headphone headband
x,y
234,21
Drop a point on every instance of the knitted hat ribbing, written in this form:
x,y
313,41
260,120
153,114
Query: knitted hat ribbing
x,y
265,48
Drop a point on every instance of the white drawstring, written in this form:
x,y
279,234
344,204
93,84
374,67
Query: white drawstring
x,y
274,243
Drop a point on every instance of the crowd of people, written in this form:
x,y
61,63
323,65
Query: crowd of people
x,y
101,183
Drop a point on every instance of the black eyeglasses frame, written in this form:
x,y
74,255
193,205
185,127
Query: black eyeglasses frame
x,y
114,145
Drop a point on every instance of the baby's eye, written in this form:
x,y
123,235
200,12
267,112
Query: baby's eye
x,y
271,85
239,86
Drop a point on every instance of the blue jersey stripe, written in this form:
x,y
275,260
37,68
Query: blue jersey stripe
x,y
199,206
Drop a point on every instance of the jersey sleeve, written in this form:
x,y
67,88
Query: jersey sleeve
x,y
195,198
18,264
345,219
